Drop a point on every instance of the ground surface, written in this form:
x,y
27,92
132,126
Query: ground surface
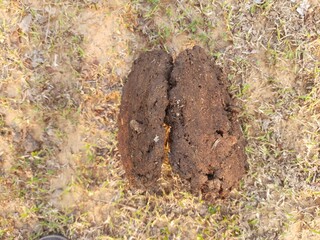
x,y
63,64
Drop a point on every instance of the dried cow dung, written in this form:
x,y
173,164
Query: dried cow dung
x,y
142,112
206,143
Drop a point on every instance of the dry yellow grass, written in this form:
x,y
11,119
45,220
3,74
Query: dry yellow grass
x,y
63,64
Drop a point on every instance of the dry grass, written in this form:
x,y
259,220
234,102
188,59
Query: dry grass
x,y
63,64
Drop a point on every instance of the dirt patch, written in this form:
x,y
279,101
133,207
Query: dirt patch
x,y
206,143
141,119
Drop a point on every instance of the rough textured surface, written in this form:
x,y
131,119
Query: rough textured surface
x,y
205,140
142,112
206,143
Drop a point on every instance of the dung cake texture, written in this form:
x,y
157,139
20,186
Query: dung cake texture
x,y
206,143
190,96
143,108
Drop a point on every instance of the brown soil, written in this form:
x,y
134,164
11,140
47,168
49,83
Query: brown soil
x,y
142,112
206,143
